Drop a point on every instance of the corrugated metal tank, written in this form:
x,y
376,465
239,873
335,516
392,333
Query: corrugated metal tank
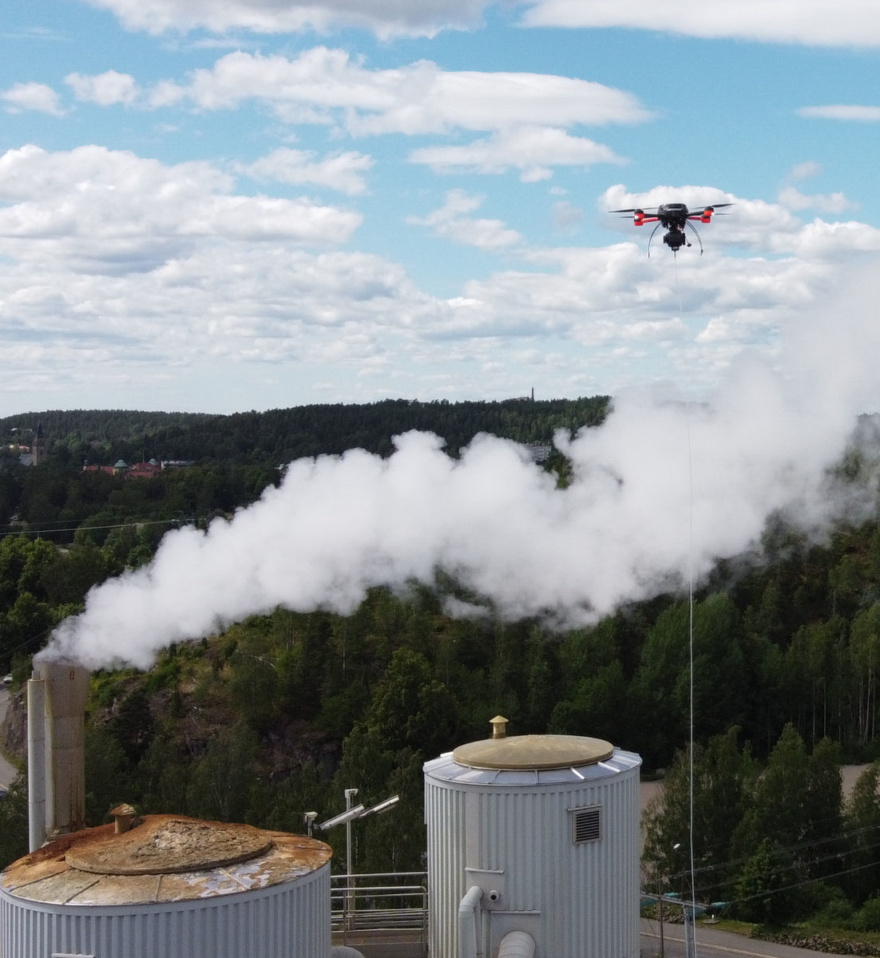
x,y
171,886
547,826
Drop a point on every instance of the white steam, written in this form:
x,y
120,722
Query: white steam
x,y
660,490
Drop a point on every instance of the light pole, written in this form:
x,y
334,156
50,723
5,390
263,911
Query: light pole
x,y
349,795
675,848
351,813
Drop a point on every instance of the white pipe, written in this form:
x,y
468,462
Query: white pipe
x,y
469,936
36,731
518,944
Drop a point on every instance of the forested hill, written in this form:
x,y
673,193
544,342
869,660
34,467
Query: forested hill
x,y
281,435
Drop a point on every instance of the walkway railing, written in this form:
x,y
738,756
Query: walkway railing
x,y
388,905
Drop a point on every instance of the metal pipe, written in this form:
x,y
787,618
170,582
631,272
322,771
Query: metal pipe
x,y
470,940
36,732
517,944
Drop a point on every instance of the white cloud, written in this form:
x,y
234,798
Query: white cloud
x,y
386,18
105,89
115,266
566,216
328,86
113,211
453,222
32,96
851,112
852,23
792,199
343,171
805,171
533,150
783,21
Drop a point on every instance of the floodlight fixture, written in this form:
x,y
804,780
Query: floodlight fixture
x,y
343,817
385,806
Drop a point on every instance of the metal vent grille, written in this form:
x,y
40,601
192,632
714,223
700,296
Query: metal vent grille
x,y
587,825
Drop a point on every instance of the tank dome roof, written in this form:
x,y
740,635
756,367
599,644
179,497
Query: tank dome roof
x,y
534,752
164,858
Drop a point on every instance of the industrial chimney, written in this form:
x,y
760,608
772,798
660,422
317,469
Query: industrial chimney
x,y
56,695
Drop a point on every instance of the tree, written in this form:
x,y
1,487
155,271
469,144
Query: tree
x,y
109,775
781,806
221,782
763,894
862,817
723,780
410,708
824,810
14,822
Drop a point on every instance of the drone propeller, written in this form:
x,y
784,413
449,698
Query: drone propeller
x,y
637,209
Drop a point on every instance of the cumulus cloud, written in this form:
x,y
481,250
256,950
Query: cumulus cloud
x,y
793,199
566,216
453,222
105,89
853,24
112,210
32,96
386,18
113,266
533,150
329,86
846,112
342,171
805,171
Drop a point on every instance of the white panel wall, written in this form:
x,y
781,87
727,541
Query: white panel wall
x,y
291,920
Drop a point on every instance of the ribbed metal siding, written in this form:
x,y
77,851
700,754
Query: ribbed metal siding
x,y
445,817
291,920
587,894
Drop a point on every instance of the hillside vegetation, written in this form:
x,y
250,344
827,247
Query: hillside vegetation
x,y
279,714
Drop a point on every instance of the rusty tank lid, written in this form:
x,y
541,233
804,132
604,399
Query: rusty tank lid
x,y
162,858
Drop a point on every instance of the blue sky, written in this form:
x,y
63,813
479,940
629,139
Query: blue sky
x,y
216,205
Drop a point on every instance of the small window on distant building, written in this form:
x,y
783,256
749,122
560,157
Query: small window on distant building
x,y
586,825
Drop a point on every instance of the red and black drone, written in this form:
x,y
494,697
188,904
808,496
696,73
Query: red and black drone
x,y
675,219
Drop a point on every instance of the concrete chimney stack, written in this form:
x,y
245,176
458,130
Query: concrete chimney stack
x,y
57,697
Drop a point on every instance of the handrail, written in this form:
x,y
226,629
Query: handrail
x,y
370,908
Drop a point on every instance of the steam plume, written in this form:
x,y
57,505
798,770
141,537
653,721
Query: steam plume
x,y
660,490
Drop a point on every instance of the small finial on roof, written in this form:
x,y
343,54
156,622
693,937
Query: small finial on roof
x,y
499,727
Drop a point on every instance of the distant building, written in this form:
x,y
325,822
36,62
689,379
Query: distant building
x,y
140,470
144,470
540,452
38,447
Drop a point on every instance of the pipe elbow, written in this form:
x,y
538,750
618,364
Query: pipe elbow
x,y
468,924
471,901
517,944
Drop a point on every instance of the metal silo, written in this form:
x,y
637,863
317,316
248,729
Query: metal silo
x,y
170,886
533,848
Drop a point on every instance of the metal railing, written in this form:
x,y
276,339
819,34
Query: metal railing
x,y
385,905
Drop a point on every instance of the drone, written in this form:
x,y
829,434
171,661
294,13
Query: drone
x,y
675,219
